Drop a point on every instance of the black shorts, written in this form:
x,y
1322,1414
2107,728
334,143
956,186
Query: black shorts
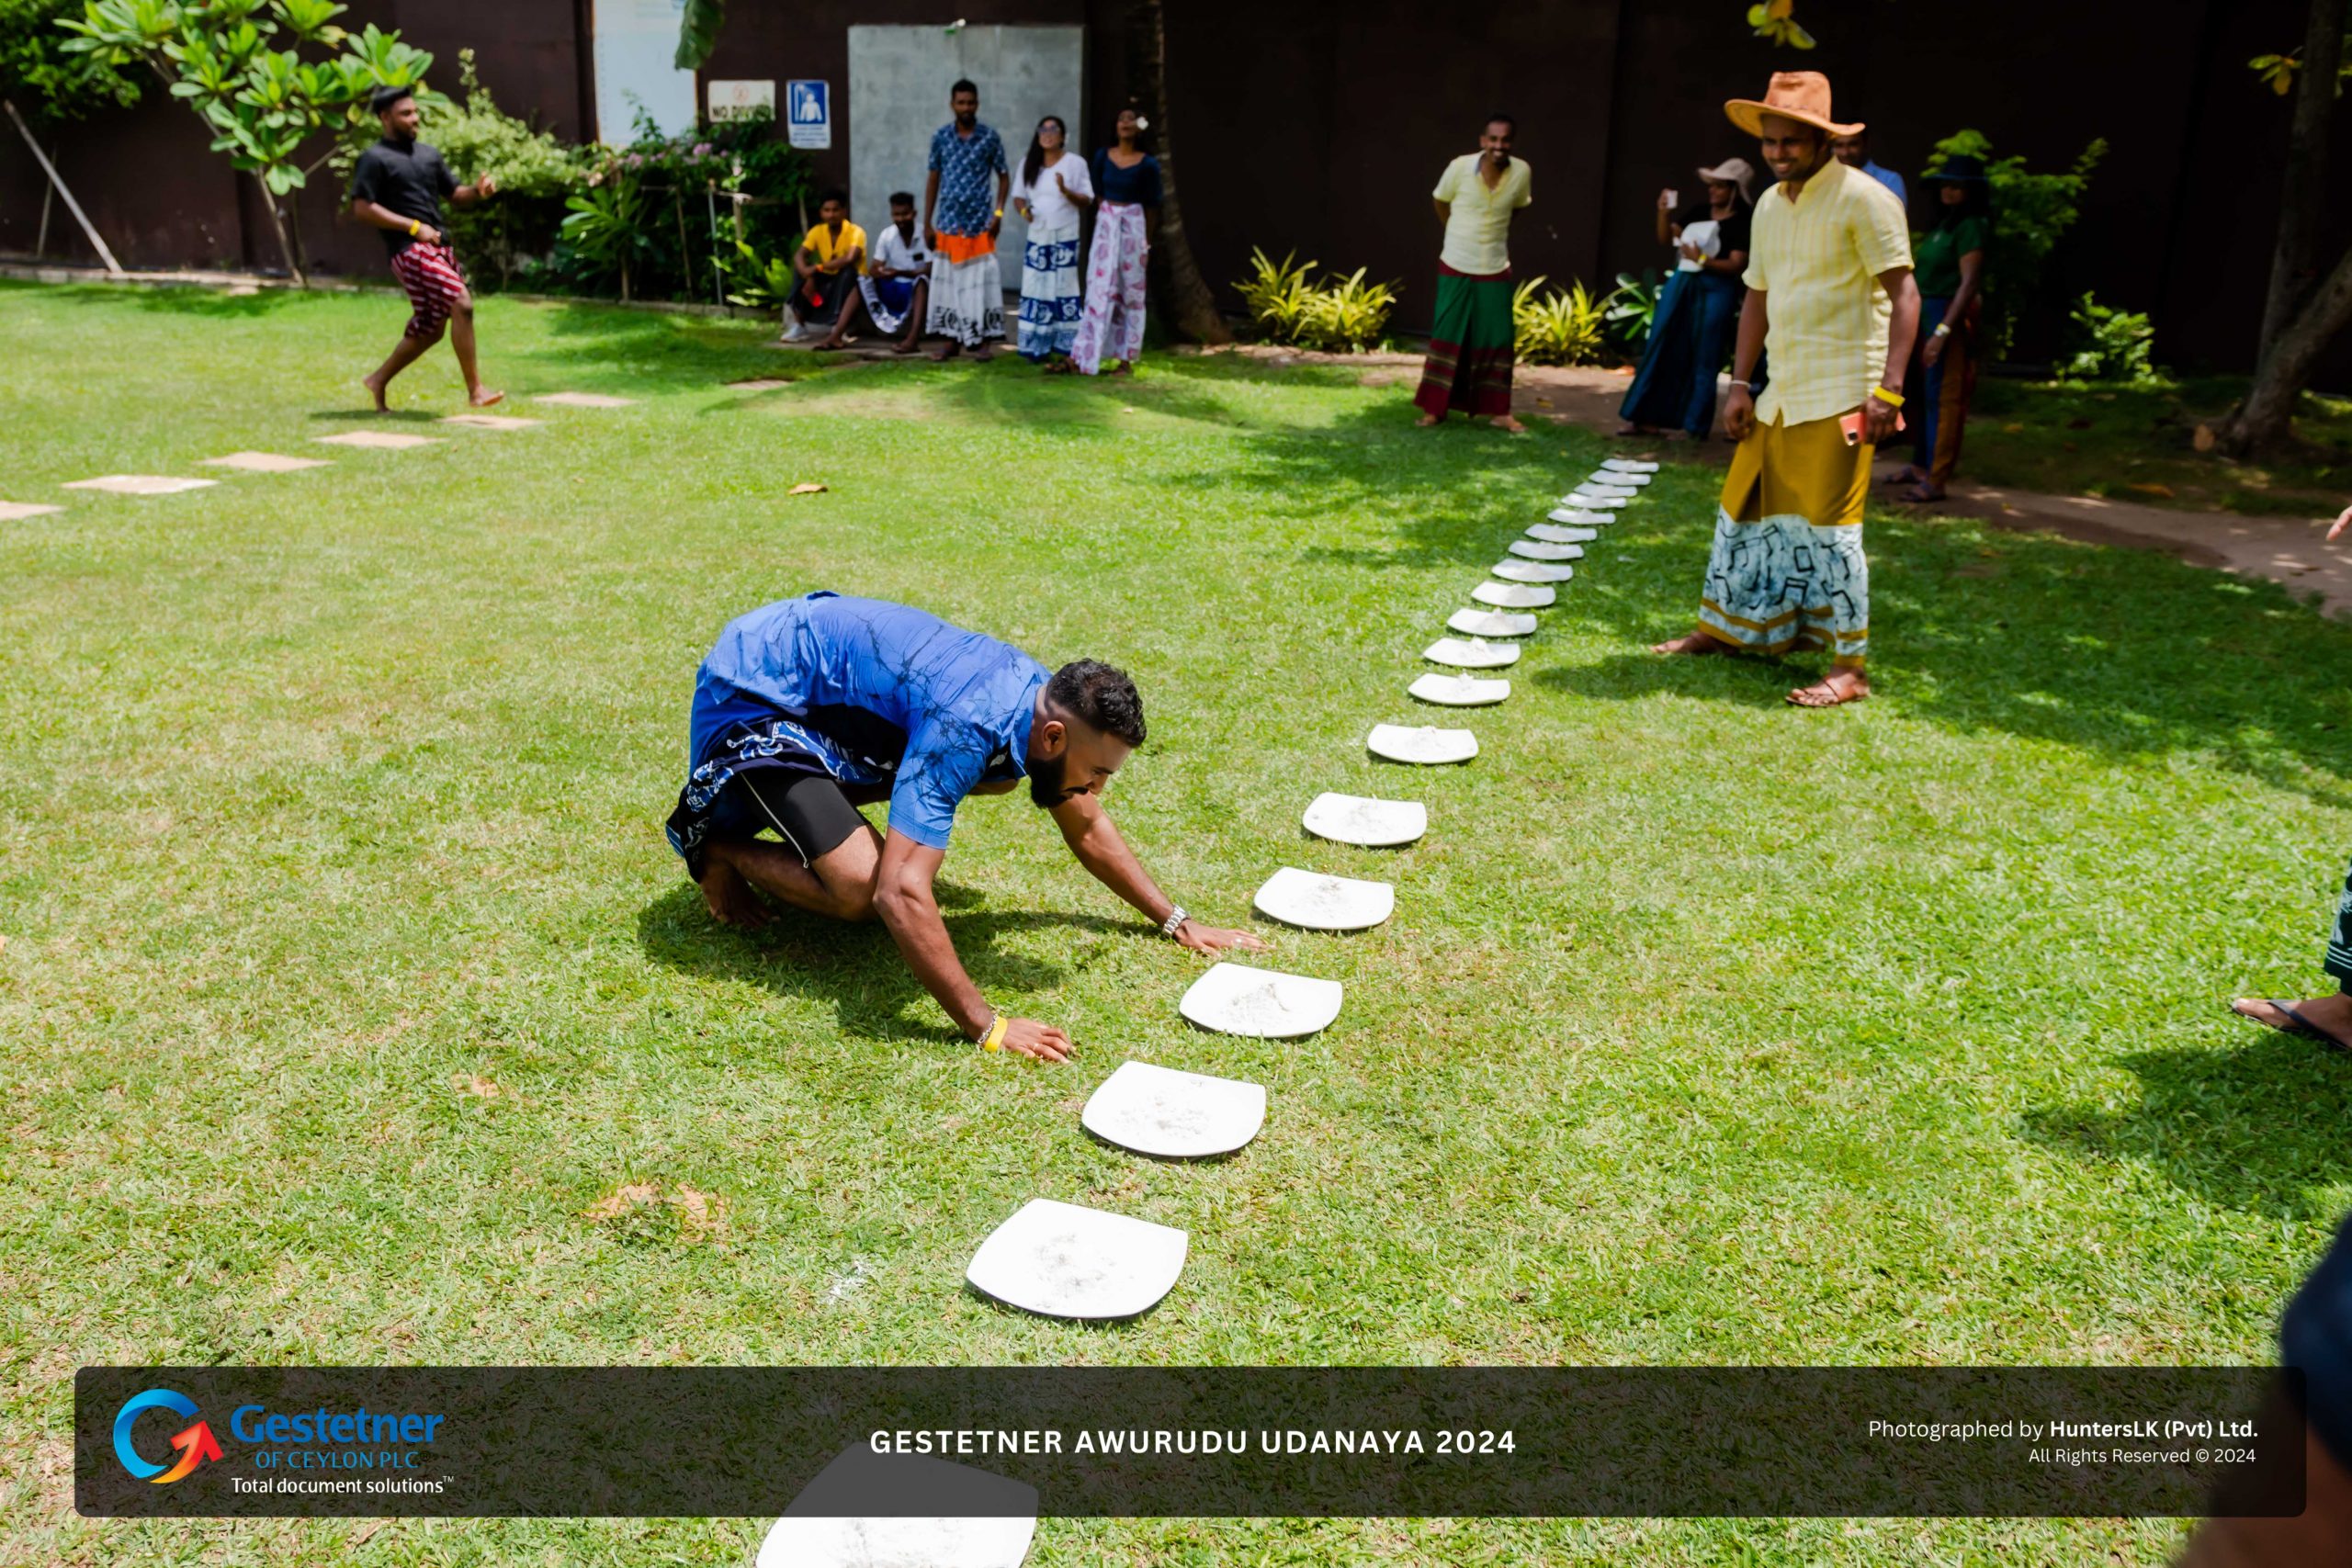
x,y
807,809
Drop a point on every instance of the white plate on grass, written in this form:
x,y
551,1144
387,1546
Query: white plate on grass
x,y
1470,653
821,1528
1458,690
1262,1004
1490,623
1535,549
1579,515
1317,903
1366,821
1592,501
1159,1112
1518,595
1553,534
1628,465
1061,1260
1531,571
1424,745
1616,478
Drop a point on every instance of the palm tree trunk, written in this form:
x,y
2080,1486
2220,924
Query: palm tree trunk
x,y
2294,264
2265,420
1191,305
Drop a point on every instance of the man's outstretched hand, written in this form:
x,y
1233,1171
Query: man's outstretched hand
x,y
2343,521
1027,1037
1216,938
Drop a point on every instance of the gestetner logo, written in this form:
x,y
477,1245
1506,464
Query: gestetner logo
x,y
196,1444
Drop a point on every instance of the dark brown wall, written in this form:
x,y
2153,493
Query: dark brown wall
x,y
1320,127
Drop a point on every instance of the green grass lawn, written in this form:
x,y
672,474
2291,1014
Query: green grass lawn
x,y
1707,1031
2129,443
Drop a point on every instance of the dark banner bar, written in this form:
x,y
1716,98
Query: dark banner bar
x,y
1294,1442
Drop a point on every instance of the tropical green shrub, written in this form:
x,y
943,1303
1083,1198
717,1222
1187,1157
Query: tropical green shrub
x,y
2030,212
1630,309
2111,344
757,282
1562,329
41,72
1341,315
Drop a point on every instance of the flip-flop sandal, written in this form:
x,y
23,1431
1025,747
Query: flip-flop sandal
x,y
2296,1024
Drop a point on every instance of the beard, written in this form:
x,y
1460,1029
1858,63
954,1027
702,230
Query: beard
x,y
1048,782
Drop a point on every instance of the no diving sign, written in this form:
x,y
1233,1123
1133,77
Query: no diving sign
x,y
809,114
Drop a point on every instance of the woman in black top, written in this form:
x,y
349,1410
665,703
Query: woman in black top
x,y
1698,308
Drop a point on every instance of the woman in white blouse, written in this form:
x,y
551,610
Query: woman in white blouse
x,y
1053,191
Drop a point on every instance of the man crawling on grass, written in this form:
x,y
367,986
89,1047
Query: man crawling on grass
x,y
810,708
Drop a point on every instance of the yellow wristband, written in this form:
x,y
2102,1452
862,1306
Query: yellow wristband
x,y
413,225
1892,399
994,1038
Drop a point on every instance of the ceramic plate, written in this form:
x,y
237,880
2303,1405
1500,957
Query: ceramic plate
x,y
1157,1111
1470,653
1264,1004
1362,820
1424,744
1518,595
1535,549
1458,690
1059,1260
1553,534
1531,571
823,1527
1490,623
1317,903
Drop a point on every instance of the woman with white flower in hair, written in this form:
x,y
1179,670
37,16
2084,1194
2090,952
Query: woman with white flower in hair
x,y
1126,222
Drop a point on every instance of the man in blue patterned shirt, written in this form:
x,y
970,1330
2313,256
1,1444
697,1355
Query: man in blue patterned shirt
x,y
963,215
807,709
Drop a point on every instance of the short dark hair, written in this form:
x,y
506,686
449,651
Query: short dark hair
x,y
1502,120
902,199
383,99
833,193
1098,696
963,84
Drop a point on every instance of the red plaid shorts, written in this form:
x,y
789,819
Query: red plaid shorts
x,y
435,284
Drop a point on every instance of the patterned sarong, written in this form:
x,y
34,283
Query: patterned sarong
x,y
1051,302
967,290
887,300
434,283
1471,346
1112,328
2339,940
1787,570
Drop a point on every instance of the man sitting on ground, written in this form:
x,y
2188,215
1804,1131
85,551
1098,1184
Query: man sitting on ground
x,y
896,285
830,258
810,708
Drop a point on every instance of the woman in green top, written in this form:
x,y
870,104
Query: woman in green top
x,y
1949,261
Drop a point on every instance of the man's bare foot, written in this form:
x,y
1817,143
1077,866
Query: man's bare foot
x,y
982,354
1839,686
1908,474
2328,1017
904,345
1632,430
376,390
1506,423
1696,644
731,900
483,397
1427,419
1922,495
947,350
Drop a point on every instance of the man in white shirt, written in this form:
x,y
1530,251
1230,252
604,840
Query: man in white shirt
x,y
896,282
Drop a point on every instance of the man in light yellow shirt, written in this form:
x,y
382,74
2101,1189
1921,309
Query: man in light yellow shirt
x,y
1830,294
1471,338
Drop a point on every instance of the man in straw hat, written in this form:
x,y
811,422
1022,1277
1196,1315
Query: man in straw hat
x,y
1830,295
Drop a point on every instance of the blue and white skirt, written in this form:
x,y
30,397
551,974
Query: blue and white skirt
x,y
1052,299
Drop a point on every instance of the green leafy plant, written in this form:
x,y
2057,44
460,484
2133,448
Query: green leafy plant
x,y
2030,212
41,69
759,283
2111,344
1560,329
606,227
1776,20
262,104
1630,309
1341,315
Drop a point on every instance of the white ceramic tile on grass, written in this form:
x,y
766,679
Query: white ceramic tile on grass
x,y
1532,571
1317,903
1518,595
1629,465
1553,534
1580,514
1424,745
1535,549
1174,1115
1472,653
1458,690
1260,1004
1617,477
1365,820
1589,501
1061,1260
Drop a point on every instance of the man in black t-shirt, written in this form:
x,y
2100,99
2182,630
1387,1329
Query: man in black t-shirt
x,y
398,188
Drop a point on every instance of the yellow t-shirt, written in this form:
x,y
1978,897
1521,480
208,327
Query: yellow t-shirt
x,y
1818,259
1478,227
821,241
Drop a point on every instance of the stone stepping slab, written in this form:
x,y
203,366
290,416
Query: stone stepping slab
x,y
16,511
266,463
584,400
1062,1261
1166,1114
138,484
759,384
1364,821
1458,690
490,421
379,440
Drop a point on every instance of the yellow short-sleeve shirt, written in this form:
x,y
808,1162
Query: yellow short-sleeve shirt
x,y
1478,227
1817,260
824,242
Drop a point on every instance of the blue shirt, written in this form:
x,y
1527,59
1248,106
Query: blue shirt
x,y
966,166
1888,178
876,691
1139,186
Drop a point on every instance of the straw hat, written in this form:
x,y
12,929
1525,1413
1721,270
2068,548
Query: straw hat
x,y
1800,96
1735,172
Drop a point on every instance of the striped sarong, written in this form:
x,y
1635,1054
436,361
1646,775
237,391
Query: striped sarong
x,y
1471,346
435,284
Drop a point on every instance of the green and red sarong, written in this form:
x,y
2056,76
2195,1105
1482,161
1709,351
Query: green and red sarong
x,y
1470,351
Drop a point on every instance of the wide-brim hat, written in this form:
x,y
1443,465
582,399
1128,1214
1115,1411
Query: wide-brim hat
x,y
1732,172
1958,169
1800,96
